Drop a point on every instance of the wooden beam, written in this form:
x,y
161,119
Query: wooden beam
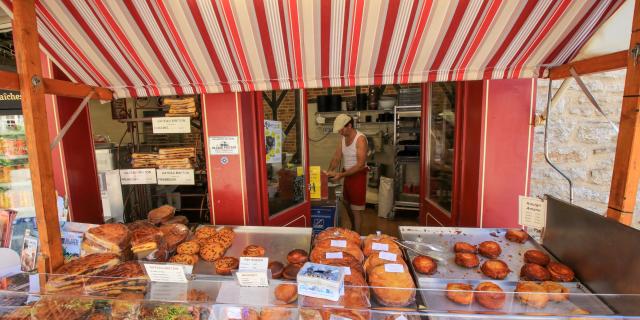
x,y
626,166
607,62
25,36
9,81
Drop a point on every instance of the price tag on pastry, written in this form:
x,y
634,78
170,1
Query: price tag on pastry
x,y
165,273
138,176
333,255
380,246
176,177
252,272
339,243
334,317
347,271
532,212
171,124
393,268
387,256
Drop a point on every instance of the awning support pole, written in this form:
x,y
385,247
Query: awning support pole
x,y
71,120
626,166
595,104
25,36
546,143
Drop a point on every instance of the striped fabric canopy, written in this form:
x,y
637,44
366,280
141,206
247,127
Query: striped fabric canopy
x,y
156,47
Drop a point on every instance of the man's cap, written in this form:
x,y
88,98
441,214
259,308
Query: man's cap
x,y
340,122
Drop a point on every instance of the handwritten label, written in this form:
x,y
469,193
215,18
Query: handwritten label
x,y
388,256
165,273
532,212
234,313
138,176
252,278
393,267
333,255
171,124
253,263
176,177
223,145
339,243
380,246
347,271
165,291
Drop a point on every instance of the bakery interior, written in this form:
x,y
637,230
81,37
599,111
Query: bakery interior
x,y
244,180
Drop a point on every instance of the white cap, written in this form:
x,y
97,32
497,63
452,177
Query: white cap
x,y
340,122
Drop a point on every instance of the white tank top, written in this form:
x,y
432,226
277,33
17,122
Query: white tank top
x,y
349,153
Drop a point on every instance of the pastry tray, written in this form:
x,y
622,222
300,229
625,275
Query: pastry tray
x,y
277,241
512,252
434,292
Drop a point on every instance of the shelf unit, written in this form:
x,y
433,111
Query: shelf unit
x,y
406,128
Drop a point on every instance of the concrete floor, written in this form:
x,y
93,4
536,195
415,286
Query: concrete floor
x,y
372,223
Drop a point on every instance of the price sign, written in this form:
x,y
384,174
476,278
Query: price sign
x,y
380,246
138,176
387,256
171,124
166,291
393,267
223,145
252,272
176,177
339,243
165,273
333,255
532,212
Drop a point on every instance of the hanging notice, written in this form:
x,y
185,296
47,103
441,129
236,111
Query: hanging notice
x,y
532,212
273,140
223,145
315,180
138,176
171,124
176,176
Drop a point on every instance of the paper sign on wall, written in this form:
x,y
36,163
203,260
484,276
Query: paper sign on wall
x,y
273,140
532,212
171,124
223,145
138,176
315,180
176,176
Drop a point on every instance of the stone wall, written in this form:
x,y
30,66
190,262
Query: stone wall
x,y
581,142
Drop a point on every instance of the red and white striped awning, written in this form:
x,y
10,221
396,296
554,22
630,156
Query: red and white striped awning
x,y
156,47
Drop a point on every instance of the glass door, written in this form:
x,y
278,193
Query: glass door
x,y
285,192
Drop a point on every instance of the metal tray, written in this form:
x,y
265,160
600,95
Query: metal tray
x,y
445,238
434,295
277,241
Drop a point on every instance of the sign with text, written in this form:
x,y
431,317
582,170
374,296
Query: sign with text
x,y
171,124
138,176
532,212
176,176
223,145
165,273
252,272
166,291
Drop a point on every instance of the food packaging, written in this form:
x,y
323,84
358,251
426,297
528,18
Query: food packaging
x,y
321,281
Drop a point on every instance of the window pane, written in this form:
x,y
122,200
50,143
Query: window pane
x,y
283,143
441,144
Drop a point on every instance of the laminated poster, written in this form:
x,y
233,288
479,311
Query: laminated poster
x,y
273,140
315,180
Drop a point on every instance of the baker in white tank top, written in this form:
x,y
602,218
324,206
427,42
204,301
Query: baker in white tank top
x,y
352,152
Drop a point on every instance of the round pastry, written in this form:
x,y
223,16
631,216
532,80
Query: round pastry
x,y
532,294
188,259
425,265
517,235
290,272
205,232
460,293
383,242
337,232
467,260
537,257
212,251
275,313
276,268
224,236
490,295
347,260
298,256
489,249
286,293
335,245
495,269
560,272
224,265
381,257
189,247
464,247
381,281
557,292
253,251
534,272
355,297
355,278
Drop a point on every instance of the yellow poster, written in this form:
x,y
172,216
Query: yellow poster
x,y
315,180
300,171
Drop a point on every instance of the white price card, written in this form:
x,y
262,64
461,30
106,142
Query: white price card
x,y
176,177
401,317
165,273
339,243
334,317
532,212
234,313
347,271
138,176
253,263
223,145
166,291
387,256
252,278
333,255
380,246
171,124
393,267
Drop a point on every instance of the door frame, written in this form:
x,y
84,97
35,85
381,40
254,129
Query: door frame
x,y
298,215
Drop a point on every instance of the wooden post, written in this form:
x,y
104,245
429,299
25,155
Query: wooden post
x,y
626,167
25,37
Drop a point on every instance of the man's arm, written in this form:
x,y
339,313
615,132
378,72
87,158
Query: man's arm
x,y
337,157
361,157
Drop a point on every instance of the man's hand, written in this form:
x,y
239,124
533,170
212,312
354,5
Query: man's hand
x,y
335,176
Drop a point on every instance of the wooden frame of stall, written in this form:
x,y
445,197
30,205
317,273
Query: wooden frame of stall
x,y
28,80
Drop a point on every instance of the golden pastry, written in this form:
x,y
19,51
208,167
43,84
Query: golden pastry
x,y
495,269
489,249
557,292
425,265
560,272
225,265
532,294
467,260
384,277
517,235
537,257
464,247
460,293
490,295
189,247
534,272
253,251
212,251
